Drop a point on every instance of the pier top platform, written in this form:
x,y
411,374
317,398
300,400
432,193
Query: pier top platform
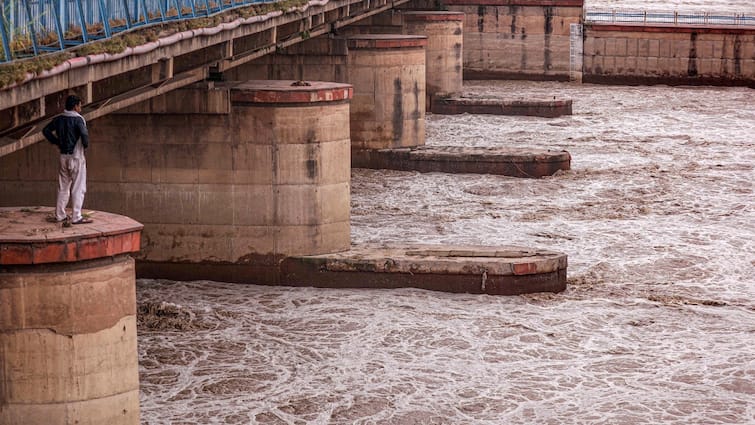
x,y
27,237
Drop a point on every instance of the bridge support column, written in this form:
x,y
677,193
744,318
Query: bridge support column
x,y
388,75
229,179
67,320
444,32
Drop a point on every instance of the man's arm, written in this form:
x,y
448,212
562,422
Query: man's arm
x,y
49,135
83,132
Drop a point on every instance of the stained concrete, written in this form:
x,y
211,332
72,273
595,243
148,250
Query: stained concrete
x,y
499,270
512,162
491,106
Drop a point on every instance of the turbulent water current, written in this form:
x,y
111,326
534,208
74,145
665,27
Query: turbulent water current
x,y
712,6
657,325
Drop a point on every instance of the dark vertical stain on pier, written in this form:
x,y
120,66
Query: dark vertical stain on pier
x,y
737,56
417,113
480,18
313,152
548,14
512,12
692,63
398,110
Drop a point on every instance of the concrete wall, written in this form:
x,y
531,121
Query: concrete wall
x,y
517,39
669,55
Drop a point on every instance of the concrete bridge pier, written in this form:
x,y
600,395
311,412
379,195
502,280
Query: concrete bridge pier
x,y
388,75
229,178
444,59
67,320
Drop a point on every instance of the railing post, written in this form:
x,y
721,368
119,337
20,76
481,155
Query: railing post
x,y
58,25
105,16
4,36
32,29
82,22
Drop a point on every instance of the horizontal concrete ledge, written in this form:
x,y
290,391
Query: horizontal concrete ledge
x,y
557,3
471,105
636,80
433,15
481,74
287,91
670,28
26,237
502,270
475,160
385,41
505,270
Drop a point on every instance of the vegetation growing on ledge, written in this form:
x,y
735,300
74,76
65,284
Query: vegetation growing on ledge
x,y
15,72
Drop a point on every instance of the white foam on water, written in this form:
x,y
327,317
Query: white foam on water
x,y
657,325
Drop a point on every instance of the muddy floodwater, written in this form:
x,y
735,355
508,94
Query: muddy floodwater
x,y
712,6
657,325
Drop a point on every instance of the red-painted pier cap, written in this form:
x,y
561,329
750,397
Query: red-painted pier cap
x,y
288,91
433,15
26,237
385,41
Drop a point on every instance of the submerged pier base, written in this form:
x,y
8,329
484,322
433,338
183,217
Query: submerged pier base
x,y
474,105
500,270
511,162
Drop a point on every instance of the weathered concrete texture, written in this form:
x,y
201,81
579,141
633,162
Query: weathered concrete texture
x,y
471,105
669,55
517,39
448,159
388,75
68,320
443,56
272,177
505,270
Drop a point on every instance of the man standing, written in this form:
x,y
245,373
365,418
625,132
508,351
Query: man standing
x,y
68,131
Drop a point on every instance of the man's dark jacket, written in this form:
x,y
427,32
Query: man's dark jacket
x,y
63,131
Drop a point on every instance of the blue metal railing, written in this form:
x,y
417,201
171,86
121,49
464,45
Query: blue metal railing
x,y
650,17
33,27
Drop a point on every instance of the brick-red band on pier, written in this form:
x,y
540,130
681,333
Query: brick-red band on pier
x,y
28,239
284,91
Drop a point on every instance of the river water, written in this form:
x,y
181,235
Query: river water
x,y
713,6
657,325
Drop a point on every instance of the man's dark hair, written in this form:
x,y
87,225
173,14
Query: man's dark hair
x,y
72,101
